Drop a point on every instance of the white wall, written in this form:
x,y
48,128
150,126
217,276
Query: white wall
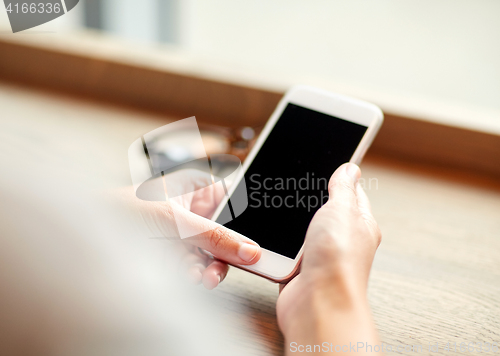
x,y
442,50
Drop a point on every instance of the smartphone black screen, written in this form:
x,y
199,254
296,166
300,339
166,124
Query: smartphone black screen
x,y
287,181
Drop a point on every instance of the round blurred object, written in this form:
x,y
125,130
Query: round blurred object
x,y
247,133
242,141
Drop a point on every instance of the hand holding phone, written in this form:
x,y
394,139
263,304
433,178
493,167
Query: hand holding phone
x,y
311,133
328,299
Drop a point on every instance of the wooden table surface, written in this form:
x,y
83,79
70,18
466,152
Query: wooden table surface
x,y
436,276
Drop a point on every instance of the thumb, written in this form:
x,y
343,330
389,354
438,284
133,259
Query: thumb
x,y
342,185
223,243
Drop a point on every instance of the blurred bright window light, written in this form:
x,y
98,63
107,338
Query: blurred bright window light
x,y
430,59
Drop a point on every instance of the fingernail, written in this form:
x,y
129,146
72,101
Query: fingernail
x,y
353,172
248,252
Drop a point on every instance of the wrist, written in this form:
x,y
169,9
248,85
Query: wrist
x,y
329,313
325,297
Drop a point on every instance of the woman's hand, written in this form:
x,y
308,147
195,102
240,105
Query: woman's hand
x,y
327,301
195,201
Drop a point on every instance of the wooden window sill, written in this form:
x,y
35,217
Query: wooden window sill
x,y
171,82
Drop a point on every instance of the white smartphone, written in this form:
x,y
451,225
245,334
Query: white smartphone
x,y
285,176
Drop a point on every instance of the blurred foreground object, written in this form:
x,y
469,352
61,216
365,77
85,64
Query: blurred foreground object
x,y
76,276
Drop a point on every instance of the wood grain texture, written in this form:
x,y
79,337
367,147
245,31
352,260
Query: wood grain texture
x,y
436,276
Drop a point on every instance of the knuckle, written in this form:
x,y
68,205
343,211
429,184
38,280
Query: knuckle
x,y
342,185
168,210
165,211
217,237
